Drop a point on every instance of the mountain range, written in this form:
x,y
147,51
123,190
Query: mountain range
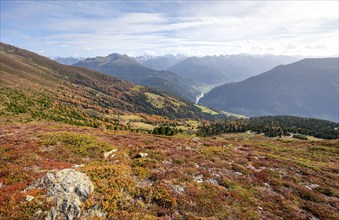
x,y
160,62
227,68
307,88
293,89
68,60
127,68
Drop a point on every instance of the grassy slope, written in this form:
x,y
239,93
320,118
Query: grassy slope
x,y
239,176
44,89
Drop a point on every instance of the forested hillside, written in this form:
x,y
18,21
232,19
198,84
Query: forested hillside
x,y
307,88
274,126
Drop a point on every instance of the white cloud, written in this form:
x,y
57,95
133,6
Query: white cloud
x,y
193,28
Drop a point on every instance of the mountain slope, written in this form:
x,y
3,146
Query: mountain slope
x,y
126,68
306,88
39,88
222,69
199,70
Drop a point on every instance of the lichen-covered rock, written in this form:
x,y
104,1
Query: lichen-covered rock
x,y
94,212
68,189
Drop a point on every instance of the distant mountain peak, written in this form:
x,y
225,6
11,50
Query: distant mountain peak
x,y
114,58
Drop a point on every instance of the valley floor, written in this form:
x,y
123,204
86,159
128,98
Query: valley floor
x,y
237,176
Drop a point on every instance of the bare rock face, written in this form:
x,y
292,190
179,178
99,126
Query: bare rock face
x,y
68,189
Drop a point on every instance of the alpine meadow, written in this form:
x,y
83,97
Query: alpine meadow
x,y
169,110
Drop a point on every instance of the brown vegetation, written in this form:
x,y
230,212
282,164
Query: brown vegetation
x,y
180,178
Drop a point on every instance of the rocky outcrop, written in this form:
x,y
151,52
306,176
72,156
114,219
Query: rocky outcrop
x,y
67,189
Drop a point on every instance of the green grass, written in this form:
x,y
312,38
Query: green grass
x,y
207,110
130,117
142,125
230,114
136,88
155,99
81,144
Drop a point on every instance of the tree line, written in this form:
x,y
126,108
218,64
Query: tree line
x,y
274,126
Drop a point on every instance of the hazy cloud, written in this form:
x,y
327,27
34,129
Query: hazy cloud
x,y
90,28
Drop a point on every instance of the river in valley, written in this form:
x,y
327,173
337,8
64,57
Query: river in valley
x,y
199,97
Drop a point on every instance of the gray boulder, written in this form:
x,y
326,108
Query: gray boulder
x,y
68,189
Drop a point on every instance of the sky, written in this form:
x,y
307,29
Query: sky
x,y
192,28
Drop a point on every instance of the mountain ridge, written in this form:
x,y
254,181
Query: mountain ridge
x,y
127,68
306,88
160,62
228,68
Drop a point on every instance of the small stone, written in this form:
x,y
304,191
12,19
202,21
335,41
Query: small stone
x,y
78,165
109,153
212,181
195,139
238,173
141,155
313,186
177,188
198,178
29,198
1,185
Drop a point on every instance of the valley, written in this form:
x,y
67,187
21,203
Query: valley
x,y
149,155
169,110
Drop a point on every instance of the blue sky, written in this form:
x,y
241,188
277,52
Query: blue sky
x,y
195,28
